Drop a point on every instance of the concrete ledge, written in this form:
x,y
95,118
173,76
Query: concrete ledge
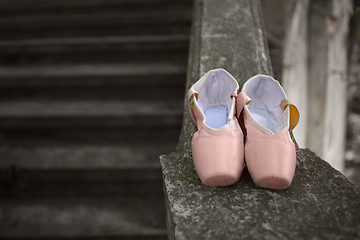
x,y
320,204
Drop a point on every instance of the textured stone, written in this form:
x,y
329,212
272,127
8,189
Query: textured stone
x,y
320,204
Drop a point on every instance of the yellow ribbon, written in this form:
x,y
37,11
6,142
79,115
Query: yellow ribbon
x,y
294,113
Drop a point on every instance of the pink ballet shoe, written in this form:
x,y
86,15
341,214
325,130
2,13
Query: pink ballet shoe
x,y
217,145
270,153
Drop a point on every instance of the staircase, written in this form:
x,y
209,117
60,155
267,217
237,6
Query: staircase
x,y
91,93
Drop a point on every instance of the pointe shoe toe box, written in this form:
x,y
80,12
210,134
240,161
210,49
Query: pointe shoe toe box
x,y
217,157
271,161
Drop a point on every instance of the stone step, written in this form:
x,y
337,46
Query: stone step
x,y
125,163
110,22
93,81
89,114
99,135
93,75
128,93
114,217
37,189
90,94
115,191
164,48
11,7
73,122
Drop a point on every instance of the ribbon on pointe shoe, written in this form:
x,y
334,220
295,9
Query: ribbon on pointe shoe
x,y
294,113
242,99
192,97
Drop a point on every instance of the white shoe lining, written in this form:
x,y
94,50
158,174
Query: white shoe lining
x,y
266,95
215,98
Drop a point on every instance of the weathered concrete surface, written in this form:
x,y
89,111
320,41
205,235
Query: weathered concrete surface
x,y
320,204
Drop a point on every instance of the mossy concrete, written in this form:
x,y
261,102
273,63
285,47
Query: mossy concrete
x,y
320,204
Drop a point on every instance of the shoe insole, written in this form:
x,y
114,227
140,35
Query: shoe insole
x,y
262,116
216,117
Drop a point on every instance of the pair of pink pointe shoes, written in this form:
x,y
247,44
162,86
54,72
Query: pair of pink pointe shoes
x,y
218,148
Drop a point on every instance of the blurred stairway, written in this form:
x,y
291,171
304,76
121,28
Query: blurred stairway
x,y
91,93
